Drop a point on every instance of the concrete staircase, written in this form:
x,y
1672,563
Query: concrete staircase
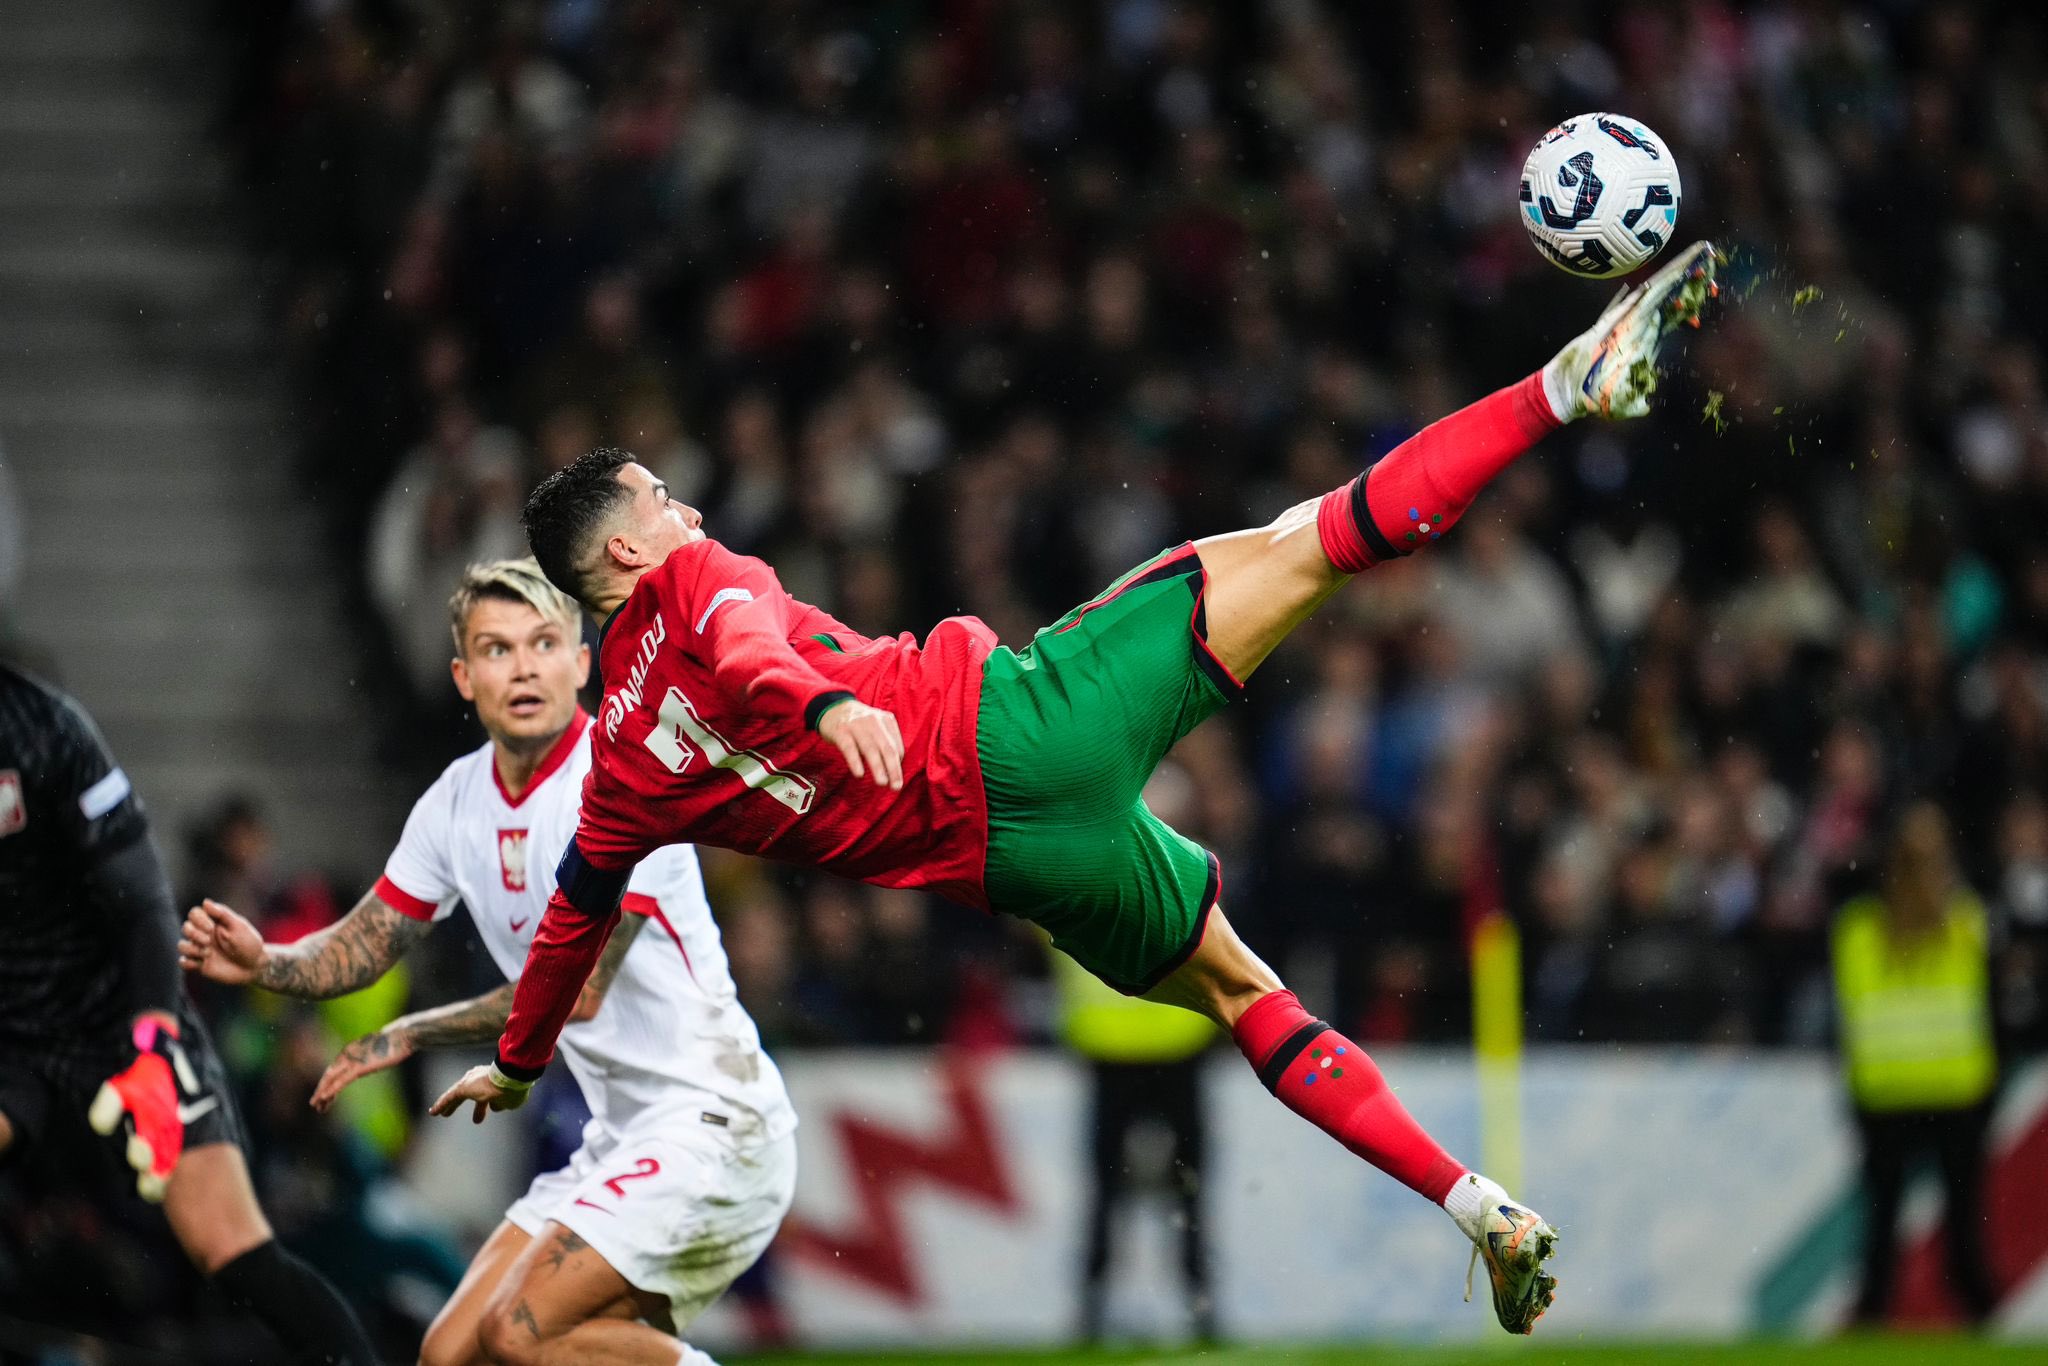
x,y
175,579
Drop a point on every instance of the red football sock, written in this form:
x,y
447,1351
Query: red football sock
x,y
1330,1082
1418,490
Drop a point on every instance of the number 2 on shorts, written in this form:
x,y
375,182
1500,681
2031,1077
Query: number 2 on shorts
x,y
642,1169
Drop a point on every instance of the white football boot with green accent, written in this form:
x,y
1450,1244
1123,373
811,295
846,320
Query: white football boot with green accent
x,y
1610,370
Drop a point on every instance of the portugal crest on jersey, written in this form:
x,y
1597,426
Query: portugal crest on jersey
x,y
512,859
13,810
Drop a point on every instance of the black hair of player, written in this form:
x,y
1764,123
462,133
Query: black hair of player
x,y
567,507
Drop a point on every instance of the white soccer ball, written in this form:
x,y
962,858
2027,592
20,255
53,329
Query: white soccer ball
x,y
1600,195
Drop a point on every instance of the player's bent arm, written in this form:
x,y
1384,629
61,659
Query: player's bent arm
x,y
472,1021
482,1018
564,956
742,632
476,1020
479,1019
591,999
462,1022
537,1016
567,944
346,956
743,622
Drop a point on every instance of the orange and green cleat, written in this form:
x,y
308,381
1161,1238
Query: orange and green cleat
x,y
1514,1242
1610,369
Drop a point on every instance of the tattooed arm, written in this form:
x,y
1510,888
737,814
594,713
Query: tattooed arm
x,y
471,1021
479,1019
346,956
482,1018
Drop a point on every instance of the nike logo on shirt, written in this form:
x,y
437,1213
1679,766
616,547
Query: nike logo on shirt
x,y
519,925
197,1109
720,599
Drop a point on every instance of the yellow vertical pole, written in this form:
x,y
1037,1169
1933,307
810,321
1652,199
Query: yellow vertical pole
x,y
1497,1046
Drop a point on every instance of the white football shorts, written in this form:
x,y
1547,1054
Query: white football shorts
x,y
673,1203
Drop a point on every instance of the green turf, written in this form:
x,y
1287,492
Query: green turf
x,y
1909,1351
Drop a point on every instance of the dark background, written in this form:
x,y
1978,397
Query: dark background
x,y
967,307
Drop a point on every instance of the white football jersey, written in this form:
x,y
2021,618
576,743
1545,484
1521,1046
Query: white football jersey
x,y
671,1033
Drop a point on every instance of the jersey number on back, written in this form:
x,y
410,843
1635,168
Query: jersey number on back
x,y
678,720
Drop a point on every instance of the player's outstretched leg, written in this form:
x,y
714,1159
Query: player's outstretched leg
x,y
212,1211
1263,583
1329,1081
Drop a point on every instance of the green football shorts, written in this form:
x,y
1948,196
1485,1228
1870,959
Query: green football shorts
x,y
1069,731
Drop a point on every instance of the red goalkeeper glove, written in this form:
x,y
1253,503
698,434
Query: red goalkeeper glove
x,y
156,1094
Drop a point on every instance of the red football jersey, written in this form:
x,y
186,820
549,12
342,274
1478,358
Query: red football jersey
x,y
711,675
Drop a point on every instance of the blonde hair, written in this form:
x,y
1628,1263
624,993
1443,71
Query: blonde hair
x,y
510,581
1921,876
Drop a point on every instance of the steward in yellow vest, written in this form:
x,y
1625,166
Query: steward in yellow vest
x,y
1914,1003
1145,1070
1104,1025
1913,1000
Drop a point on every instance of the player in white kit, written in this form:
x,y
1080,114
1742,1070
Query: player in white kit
x,y
689,1161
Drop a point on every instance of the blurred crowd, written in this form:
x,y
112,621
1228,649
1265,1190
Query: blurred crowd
x,y
968,306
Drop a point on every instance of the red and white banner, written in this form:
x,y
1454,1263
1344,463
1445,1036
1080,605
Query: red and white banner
x,y
942,1200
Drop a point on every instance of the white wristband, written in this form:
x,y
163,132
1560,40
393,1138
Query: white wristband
x,y
505,1083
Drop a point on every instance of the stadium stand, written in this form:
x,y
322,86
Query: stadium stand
x,y
1107,279
966,307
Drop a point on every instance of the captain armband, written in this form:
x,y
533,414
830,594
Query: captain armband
x,y
594,891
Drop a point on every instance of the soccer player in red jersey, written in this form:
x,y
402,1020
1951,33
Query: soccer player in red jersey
x,y
735,715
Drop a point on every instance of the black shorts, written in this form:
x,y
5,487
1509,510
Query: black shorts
x,y
46,1086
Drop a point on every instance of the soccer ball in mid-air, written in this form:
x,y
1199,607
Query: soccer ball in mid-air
x,y
1600,195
